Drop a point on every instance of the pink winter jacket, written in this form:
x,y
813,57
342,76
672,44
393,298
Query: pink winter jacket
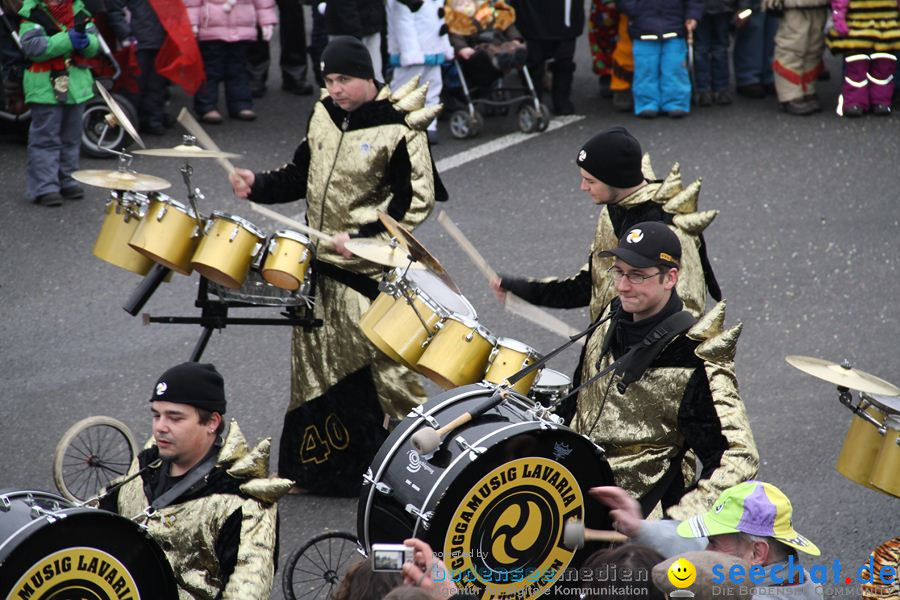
x,y
230,20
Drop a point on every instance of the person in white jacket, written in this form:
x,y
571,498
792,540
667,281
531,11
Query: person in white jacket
x,y
418,44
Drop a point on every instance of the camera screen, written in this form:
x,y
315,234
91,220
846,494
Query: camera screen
x,y
388,560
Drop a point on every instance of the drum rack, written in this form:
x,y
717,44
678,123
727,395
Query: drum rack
x,y
214,315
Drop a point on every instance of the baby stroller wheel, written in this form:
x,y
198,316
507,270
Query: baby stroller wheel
x,y
544,121
530,118
90,454
463,125
93,123
314,570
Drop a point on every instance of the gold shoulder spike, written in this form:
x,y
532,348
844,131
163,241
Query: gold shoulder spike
x,y
671,185
268,490
647,168
422,118
253,464
413,100
384,93
235,445
685,201
720,348
695,222
404,89
710,324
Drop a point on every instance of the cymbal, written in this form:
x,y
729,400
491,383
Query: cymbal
x,y
186,151
415,248
381,252
847,377
130,181
120,115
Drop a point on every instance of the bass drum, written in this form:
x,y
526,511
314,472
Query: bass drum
x,y
493,499
50,549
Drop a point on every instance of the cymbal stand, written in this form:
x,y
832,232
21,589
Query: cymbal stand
x,y
407,295
194,194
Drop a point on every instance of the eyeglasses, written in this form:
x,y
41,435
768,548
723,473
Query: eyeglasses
x,y
633,278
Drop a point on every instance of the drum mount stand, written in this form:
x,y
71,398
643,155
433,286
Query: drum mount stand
x,y
846,398
214,313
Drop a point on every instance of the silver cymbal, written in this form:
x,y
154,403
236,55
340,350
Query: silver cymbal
x,y
119,115
186,151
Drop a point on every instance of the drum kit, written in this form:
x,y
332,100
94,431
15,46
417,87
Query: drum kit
x,y
421,320
152,234
870,455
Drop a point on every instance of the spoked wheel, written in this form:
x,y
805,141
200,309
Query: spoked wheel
x,y
94,120
93,452
314,570
463,125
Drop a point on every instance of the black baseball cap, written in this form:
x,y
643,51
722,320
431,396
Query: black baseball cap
x,y
648,244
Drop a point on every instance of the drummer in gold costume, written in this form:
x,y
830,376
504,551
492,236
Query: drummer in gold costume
x,y
214,505
673,398
366,150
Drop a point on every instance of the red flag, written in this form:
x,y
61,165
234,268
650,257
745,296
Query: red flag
x,y
179,59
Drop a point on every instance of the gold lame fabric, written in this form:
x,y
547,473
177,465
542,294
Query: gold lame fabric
x,y
639,429
187,532
344,192
325,355
688,224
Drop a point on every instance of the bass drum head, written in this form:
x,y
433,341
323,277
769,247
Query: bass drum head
x,y
494,498
76,553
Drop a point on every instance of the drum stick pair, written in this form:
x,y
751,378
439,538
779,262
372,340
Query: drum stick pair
x,y
195,129
513,304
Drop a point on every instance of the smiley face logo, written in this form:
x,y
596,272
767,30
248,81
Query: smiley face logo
x,y
682,573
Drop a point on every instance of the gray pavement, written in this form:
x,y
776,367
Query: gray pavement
x,y
805,248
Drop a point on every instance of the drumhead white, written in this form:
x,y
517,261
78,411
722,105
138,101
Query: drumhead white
x,y
438,291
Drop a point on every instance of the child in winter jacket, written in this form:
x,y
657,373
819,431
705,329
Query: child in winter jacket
x,y
56,36
225,29
658,29
418,45
712,39
484,36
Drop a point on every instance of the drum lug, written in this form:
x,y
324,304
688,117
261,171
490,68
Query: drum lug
x,y
162,212
303,257
428,418
470,336
256,248
424,516
463,444
383,488
5,504
234,233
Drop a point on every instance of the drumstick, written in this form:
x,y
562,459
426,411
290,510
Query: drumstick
x,y
276,216
196,130
513,304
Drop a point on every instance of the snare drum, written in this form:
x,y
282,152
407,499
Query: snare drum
x,y
168,234
863,441
423,301
227,249
458,353
288,257
493,499
551,386
508,357
51,549
886,472
123,214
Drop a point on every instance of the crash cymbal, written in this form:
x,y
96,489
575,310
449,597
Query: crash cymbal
x,y
129,181
120,117
844,376
415,248
186,151
381,252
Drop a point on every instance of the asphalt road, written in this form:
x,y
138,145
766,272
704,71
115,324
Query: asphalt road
x,y
805,248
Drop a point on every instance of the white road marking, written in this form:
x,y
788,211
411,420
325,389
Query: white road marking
x,y
501,143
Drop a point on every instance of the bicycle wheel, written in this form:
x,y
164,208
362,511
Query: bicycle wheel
x,y
315,568
93,452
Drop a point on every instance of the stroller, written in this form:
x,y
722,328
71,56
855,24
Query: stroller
x,y
97,135
488,31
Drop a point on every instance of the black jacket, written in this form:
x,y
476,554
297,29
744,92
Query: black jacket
x,y
354,17
548,20
144,25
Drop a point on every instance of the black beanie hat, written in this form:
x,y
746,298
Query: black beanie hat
x,y
614,157
197,384
347,55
